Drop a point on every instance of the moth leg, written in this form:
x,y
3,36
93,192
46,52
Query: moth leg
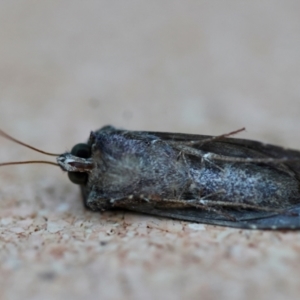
x,y
204,159
209,157
188,150
212,139
183,149
213,156
125,202
94,202
241,205
189,180
195,204
280,162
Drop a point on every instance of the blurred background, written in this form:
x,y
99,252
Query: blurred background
x,y
208,67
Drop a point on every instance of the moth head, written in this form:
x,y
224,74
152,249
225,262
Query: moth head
x,y
78,163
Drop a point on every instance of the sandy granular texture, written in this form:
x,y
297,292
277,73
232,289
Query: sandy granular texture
x,y
208,67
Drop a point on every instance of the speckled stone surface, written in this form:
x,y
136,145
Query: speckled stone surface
x,y
210,67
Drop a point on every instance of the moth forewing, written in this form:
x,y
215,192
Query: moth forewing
x,y
213,180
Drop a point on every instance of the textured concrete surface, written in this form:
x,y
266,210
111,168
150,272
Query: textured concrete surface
x,y
68,67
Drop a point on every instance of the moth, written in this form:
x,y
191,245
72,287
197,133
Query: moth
x,y
216,180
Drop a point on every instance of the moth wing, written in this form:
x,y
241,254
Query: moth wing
x,y
234,147
230,147
269,150
244,219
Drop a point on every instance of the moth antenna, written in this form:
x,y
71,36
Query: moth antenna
x,y
7,136
28,162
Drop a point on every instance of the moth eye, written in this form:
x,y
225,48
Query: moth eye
x,y
82,150
78,177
